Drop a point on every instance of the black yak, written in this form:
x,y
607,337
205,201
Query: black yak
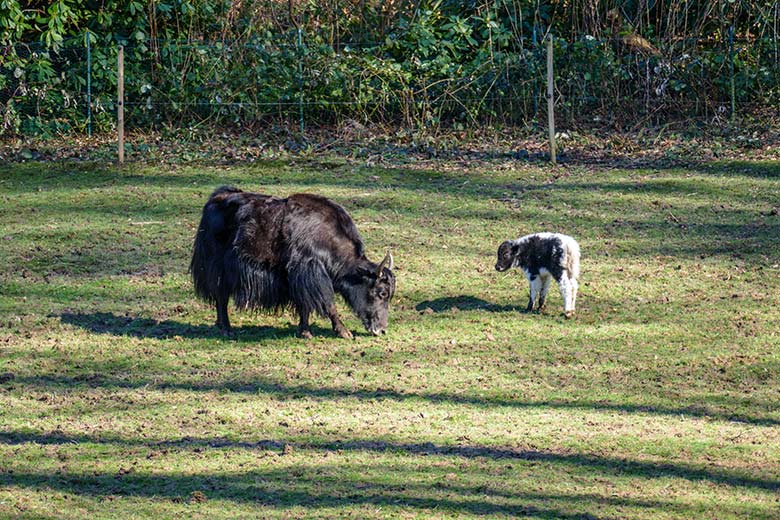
x,y
269,253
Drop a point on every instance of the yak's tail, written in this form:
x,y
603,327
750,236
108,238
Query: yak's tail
x,y
573,258
213,273
219,269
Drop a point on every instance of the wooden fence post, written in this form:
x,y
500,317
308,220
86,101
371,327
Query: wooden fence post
x,y
731,72
551,98
120,116
89,85
300,79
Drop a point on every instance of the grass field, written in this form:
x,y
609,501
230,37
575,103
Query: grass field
x,y
661,399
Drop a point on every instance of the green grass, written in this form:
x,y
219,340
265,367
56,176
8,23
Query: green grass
x,y
660,400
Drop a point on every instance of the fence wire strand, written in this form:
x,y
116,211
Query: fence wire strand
x,y
180,82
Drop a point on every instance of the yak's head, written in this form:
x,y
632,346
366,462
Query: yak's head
x,y
507,252
370,296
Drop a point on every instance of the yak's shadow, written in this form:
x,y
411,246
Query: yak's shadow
x,y
466,303
108,323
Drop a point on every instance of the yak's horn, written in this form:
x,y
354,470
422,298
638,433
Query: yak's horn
x,y
386,262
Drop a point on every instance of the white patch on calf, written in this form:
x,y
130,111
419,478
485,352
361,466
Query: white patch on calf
x,y
542,257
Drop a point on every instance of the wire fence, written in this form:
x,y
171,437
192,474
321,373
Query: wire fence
x,y
287,78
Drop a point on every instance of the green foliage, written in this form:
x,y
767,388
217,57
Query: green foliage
x,y
435,63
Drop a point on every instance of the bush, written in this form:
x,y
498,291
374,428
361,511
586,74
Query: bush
x,y
445,63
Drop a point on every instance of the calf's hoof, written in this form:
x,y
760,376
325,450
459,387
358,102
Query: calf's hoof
x,y
569,314
227,333
305,334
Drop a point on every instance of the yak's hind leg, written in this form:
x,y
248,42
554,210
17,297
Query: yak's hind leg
x,y
223,321
311,291
227,280
213,264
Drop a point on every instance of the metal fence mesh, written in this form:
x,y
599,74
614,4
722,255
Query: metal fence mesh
x,y
288,78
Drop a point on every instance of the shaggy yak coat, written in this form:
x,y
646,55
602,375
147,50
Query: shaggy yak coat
x,y
269,253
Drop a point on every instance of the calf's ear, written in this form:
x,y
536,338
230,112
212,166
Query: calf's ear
x,y
515,249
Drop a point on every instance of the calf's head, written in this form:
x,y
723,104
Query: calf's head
x,y
507,252
371,293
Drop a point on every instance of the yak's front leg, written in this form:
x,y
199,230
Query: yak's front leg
x,y
338,326
311,290
303,324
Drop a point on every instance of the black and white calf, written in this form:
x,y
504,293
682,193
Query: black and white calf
x,y
543,257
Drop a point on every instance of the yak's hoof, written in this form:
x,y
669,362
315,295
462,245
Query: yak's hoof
x,y
305,334
344,333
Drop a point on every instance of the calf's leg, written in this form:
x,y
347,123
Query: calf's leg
x,y
536,287
545,289
566,293
574,287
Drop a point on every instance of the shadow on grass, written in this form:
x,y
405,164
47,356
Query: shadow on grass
x,y
108,323
688,232
104,378
760,169
465,303
266,178
280,489
566,462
